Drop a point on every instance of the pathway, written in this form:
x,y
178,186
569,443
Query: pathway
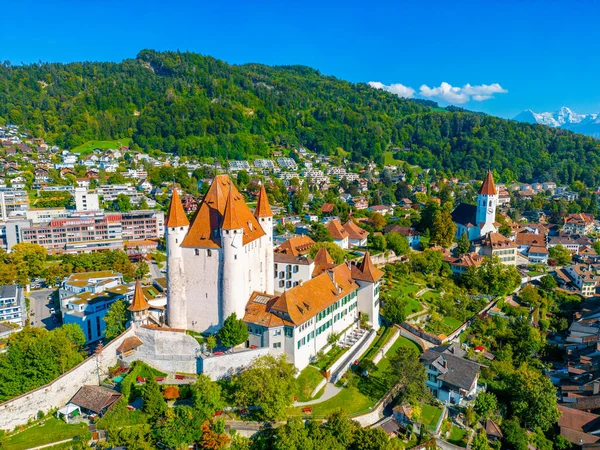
x,y
331,390
52,444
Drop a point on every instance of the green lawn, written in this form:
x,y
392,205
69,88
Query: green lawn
x,y
53,430
431,297
384,334
457,435
308,380
452,322
89,146
412,306
389,160
349,400
430,415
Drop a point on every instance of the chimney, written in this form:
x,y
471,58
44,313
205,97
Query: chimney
x,y
444,363
596,387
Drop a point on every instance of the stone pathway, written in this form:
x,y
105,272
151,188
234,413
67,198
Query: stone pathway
x,y
330,391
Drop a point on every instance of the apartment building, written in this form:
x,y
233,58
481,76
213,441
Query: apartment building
x,y
12,304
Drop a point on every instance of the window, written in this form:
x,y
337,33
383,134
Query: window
x,y
277,345
276,332
209,253
234,256
197,252
281,283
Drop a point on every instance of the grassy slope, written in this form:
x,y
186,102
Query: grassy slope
x,y
53,430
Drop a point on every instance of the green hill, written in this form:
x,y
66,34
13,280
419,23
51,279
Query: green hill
x,y
191,104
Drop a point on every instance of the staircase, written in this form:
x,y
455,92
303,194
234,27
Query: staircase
x,y
352,337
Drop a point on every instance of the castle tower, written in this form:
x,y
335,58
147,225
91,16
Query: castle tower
x,y
368,277
176,228
487,201
233,268
264,215
139,305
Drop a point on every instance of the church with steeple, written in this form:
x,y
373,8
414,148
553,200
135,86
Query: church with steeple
x,y
480,219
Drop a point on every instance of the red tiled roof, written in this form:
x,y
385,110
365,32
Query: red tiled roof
x,y
263,209
337,231
139,302
176,216
488,187
367,270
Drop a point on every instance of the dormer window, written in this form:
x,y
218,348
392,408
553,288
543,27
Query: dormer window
x,y
250,226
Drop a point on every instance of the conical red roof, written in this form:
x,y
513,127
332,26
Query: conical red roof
x,y
176,217
367,270
488,187
263,209
230,218
139,302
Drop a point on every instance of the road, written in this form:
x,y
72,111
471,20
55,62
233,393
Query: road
x,y
155,271
41,309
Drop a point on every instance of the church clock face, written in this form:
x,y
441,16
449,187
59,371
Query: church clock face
x,y
490,210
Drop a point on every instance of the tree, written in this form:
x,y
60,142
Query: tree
x,y
515,437
464,245
377,242
268,383
243,178
486,405
211,342
491,278
410,374
116,319
206,396
397,243
443,229
171,393
428,262
480,441
233,332
179,427
319,233
530,295
395,309
428,216
335,251
154,403
378,221
548,283
561,254
211,438
75,334
123,203
533,398
141,270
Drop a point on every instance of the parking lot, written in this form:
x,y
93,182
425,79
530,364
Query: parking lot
x,y
40,309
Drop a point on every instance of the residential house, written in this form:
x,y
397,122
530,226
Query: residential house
x,y
495,244
12,304
412,235
357,236
580,223
573,242
338,233
292,263
384,210
450,376
460,264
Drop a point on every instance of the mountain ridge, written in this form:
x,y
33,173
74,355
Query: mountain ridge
x,y
565,118
195,105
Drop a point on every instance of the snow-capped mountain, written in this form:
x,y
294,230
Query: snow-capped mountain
x,y
564,118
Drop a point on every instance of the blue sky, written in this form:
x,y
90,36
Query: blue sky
x,y
543,53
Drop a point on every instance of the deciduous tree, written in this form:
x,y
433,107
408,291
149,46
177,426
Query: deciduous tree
x,y
233,332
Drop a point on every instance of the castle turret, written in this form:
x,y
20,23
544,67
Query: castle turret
x,y
139,307
235,270
264,215
487,201
176,228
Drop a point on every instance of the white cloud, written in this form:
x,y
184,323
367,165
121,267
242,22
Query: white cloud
x,y
445,91
399,89
453,94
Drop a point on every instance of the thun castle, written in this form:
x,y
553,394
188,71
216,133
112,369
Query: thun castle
x,y
223,263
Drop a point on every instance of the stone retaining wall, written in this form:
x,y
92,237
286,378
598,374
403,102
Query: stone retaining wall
x,y
228,364
385,348
56,394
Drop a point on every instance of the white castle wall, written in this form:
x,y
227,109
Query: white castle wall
x,y
19,410
202,279
223,366
167,350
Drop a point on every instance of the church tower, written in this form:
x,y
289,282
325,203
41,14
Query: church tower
x,y
487,201
176,228
139,307
264,215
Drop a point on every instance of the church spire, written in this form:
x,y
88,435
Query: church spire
x,y
263,209
139,302
488,187
176,217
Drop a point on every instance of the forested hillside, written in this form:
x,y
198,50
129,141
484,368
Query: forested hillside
x,y
191,104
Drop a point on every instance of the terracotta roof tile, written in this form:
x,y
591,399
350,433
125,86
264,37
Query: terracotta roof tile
x,y
139,302
263,209
323,261
176,216
488,187
354,231
367,270
296,246
209,218
337,231
230,218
